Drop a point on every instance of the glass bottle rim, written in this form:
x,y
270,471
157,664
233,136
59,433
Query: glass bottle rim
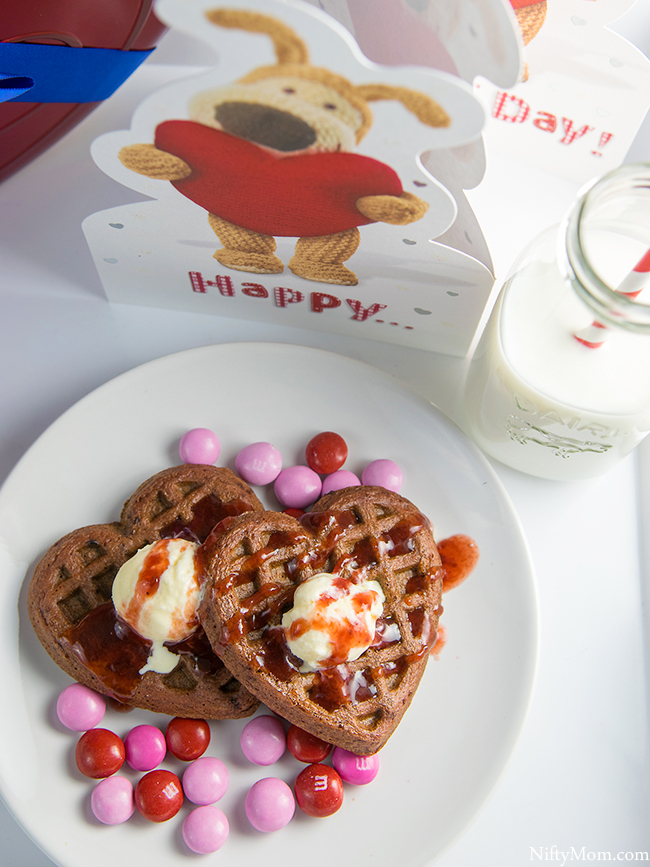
x,y
609,306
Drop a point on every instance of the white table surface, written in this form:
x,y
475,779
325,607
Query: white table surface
x,y
579,780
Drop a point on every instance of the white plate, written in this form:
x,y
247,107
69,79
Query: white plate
x,y
449,751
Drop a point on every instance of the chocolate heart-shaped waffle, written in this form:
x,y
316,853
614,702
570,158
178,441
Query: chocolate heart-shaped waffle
x,y
357,536
71,609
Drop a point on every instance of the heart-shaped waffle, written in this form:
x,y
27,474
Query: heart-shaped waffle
x,y
70,607
253,568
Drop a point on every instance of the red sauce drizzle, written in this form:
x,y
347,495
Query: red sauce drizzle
x,y
329,524
336,684
420,623
334,687
199,652
364,555
440,641
420,582
276,657
153,566
387,632
248,620
113,651
247,571
393,666
459,555
206,514
329,527
400,539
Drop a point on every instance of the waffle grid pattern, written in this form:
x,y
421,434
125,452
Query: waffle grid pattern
x,y
393,670
76,575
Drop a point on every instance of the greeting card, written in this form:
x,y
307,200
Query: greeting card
x,y
583,94
300,182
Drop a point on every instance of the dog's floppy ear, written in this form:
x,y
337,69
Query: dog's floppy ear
x,y
427,110
289,48
292,56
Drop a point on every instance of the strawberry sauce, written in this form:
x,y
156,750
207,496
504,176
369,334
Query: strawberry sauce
x,y
459,555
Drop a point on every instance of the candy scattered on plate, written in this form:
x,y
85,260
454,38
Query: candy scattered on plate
x,y
80,708
259,463
270,803
205,780
205,829
263,740
199,446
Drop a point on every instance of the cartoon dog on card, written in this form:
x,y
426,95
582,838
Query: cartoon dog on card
x,y
272,156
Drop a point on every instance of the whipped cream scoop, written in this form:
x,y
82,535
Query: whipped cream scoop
x,y
157,592
332,620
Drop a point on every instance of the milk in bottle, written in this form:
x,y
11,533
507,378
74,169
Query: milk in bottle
x,y
559,385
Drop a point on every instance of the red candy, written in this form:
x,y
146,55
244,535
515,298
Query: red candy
x,y
158,795
306,747
100,753
187,739
295,513
319,790
326,452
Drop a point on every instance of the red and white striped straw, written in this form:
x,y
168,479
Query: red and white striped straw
x,y
594,335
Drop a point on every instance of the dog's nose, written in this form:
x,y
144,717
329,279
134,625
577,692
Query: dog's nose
x,y
265,125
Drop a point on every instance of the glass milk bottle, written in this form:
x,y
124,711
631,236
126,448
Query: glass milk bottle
x,y
559,385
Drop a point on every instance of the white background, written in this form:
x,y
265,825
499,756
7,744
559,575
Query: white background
x,y
580,775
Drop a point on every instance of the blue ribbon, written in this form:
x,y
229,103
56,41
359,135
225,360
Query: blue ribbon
x,y
59,73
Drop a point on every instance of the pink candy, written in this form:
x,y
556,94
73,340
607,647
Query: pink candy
x,y
145,747
199,446
205,829
80,708
205,781
338,480
270,804
384,473
263,740
112,800
297,487
357,770
259,463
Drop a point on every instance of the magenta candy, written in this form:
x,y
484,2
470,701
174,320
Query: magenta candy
x,y
297,487
199,446
384,473
338,480
357,770
270,804
80,708
145,747
205,829
112,800
259,463
205,780
263,740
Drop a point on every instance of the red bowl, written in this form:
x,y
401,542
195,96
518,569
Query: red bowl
x,y
28,128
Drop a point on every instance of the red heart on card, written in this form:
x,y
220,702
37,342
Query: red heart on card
x,y
292,196
26,128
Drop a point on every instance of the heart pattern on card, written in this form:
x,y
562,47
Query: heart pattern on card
x,y
298,195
